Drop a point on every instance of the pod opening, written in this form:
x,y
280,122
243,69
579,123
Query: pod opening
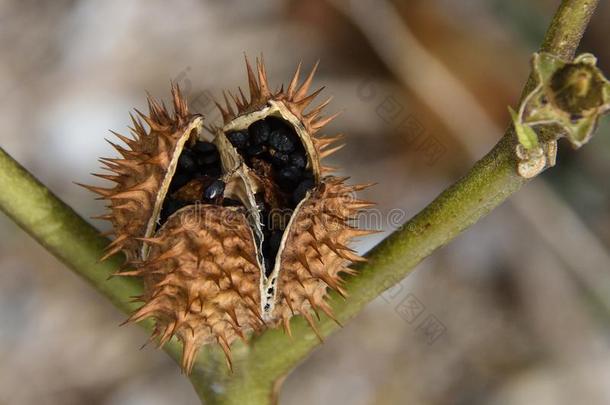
x,y
277,158
197,179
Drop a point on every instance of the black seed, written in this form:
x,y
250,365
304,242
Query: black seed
x,y
239,139
255,150
282,141
279,159
288,177
208,159
301,190
187,161
298,159
215,189
203,147
259,131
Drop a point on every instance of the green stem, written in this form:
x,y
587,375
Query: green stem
x,y
64,234
61,231
259,367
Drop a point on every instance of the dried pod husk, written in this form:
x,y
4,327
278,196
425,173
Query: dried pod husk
x,y
236,230
315,252
304,215
143,173
202,279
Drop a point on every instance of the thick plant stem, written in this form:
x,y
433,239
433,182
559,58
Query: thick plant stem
x,y
64,234
260,366
61,231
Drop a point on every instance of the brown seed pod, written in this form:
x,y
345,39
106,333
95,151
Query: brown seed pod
x,y
143,173
237,230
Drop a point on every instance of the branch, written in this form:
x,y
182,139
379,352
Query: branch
x,y
260,366
64,234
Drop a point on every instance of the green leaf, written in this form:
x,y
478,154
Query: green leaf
x,y
526,134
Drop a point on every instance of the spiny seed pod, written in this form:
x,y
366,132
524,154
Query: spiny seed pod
x,y
234,230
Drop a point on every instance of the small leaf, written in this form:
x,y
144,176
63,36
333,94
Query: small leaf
x,y
526,134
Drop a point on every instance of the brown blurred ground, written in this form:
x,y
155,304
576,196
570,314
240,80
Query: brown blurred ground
x,y
518,305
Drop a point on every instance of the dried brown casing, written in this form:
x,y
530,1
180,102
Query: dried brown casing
x,y
204,267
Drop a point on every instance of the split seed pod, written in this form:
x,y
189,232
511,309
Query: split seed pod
x,y
233,228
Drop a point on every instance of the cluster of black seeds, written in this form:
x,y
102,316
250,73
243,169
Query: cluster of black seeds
x,y
274,140
273,143
198,169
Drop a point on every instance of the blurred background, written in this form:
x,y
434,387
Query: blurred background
x,y
514,311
